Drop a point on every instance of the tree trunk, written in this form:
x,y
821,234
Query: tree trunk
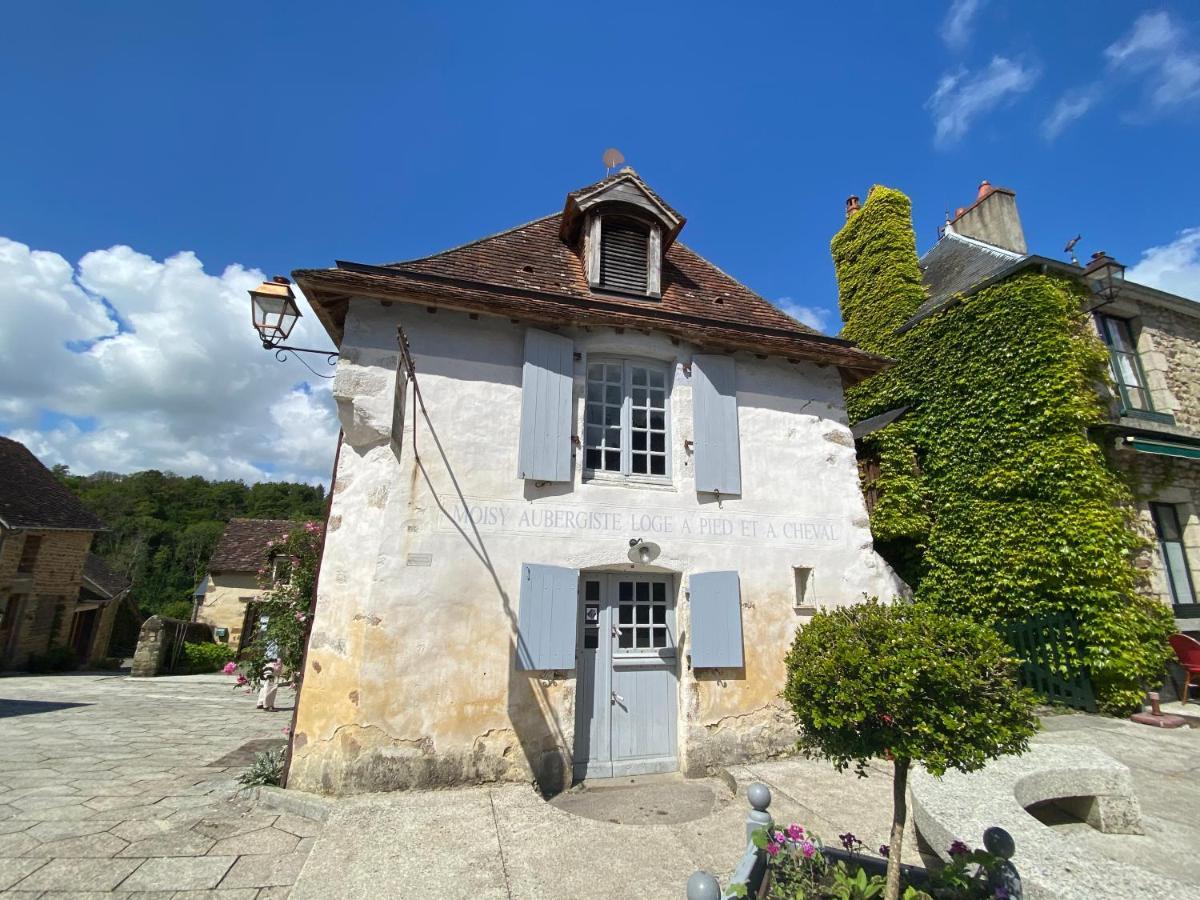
x,y
899,815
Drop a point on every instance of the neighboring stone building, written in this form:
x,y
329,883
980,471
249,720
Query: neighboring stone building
x,y
574,532
225,598
47,598
1154,345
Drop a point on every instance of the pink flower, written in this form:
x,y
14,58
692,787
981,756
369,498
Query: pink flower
x,y
887,720
772,849
795,832
808,849
242,679
230,667
299,617
779,837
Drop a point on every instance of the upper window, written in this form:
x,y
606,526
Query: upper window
x,y
1170,544
29,553
1124,363
624,255
625,418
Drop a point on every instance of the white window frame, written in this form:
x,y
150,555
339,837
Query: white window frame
x,y
627,475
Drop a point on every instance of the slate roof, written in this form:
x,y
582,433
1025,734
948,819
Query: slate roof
x,y
956,264
529,272
104,579
30,497
244,544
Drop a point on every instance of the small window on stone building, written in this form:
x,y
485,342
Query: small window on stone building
x,y
624,255
29,553
1125,365
1169,531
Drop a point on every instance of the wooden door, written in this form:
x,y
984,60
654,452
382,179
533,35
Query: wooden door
x,y
627,688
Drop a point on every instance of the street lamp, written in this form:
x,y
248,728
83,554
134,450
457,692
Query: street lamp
x,y
1104,276
274,312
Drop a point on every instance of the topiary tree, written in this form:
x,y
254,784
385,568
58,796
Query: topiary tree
x,y
910,683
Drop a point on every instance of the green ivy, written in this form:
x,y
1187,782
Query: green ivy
x,y
992,498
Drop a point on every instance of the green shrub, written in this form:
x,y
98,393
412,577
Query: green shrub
x,y
56,659
910,683
205,657
267,768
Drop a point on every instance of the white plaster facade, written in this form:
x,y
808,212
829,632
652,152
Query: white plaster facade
x,y
410,676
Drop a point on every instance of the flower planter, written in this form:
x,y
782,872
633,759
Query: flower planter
x,y
753,874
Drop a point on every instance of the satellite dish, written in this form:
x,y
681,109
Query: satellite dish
x,y
612,158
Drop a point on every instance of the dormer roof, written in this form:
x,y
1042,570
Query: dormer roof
x,y
621,191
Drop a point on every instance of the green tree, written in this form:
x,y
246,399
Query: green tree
x,y
907,682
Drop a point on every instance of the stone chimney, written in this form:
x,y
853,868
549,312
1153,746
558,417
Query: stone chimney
x,y
851,205
992,218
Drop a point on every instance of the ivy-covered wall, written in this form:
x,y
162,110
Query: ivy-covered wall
x,y
992,500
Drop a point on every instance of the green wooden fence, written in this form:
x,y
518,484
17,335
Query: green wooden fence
x,y
1049,651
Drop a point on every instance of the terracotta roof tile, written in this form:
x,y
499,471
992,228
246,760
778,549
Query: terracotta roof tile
x,y
245,544
31,497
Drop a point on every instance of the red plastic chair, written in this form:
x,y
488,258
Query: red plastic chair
x,y
1187,651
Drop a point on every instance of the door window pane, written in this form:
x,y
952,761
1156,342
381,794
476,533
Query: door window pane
x,y
1169,531
642,612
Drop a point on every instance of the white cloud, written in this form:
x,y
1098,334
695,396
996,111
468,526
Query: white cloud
x,y
963,96
1069,108
1157,48
1173,267
959,21
184,386
812,316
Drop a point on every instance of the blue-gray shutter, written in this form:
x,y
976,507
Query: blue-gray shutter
x,y
716,607
545,450
714,405
546,617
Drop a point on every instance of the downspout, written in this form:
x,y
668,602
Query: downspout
x,y
312,609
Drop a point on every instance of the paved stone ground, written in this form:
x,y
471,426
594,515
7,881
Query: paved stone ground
x,y
120,787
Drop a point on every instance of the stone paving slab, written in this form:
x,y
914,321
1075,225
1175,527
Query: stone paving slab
x,y
123,788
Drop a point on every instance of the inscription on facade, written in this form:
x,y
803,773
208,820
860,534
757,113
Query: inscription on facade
x,y
717,526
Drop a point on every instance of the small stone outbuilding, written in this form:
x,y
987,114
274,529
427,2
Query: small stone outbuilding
x,y
225,598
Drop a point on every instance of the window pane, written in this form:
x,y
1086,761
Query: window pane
x,y
595,414
643,592
657,399
639,418
657,379
657,442
658,420
593,433
625,591
1121,338
612,460
659,592
639,376
591,591
637,463
592,460
639,396
625,614
1177,571
660,637
612,437
595,392
660,613
643,614
596,373
612,416
591,639
639,440
613,395
658,465
643,638
1128,370
625,639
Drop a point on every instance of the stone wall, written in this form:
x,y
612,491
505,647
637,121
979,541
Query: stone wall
x,y
160,642
49,592
1169,347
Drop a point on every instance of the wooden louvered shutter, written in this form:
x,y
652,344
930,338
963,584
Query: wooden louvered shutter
x,y
544,453
546,617
714,407
716,606
623,255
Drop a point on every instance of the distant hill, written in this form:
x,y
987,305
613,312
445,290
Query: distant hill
x,y
163,527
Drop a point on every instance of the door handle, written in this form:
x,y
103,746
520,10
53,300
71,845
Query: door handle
x,y
616,631
617,698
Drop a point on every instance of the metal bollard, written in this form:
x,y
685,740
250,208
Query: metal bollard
x,y
759,796
1000,843
702,886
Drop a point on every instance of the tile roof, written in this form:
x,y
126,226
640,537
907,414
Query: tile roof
x,y
106,581
244,544
31,497
529,272
956,264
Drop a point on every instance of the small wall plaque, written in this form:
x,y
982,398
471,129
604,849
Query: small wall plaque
x,y
419,559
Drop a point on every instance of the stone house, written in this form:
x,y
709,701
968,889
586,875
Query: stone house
x,y
1153,337
589,487
225,597
50,594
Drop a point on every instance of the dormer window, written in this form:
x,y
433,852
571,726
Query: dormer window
x,y
624,255
621,230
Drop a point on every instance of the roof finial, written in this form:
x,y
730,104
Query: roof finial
x,y
612,158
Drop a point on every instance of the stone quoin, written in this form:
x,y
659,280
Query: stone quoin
x,y
524,415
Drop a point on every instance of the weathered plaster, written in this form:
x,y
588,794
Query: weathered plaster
x,y
410,675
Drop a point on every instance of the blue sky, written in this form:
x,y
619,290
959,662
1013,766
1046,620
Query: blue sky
x,y
271,136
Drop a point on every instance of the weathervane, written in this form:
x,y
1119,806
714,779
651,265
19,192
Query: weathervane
x,y
612,159
1070,249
